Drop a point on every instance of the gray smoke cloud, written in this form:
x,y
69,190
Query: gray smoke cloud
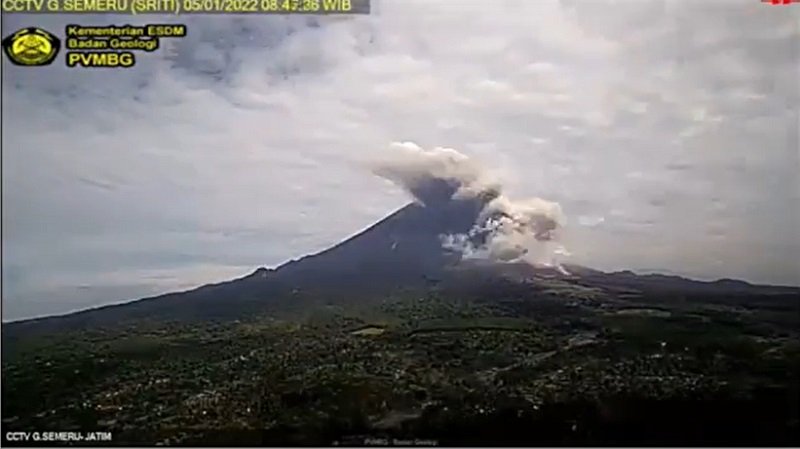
x,y
436,176
506,230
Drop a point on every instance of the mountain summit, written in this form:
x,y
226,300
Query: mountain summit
x,y
459,214
402,250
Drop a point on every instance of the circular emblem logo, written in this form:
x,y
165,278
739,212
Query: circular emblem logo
x,y
31,47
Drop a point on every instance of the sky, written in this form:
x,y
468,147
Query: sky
x,y
667,131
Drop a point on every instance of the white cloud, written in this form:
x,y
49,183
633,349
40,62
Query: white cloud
x,y
244,147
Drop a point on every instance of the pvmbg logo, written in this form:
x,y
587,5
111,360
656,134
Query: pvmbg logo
x,y
31,47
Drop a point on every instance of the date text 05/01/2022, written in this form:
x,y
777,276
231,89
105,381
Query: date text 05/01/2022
x,y
189,6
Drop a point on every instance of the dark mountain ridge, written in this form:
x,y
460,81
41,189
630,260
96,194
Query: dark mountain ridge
x,y
401,251
387,333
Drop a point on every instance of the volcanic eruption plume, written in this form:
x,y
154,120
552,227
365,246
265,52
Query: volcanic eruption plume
x,y
505,230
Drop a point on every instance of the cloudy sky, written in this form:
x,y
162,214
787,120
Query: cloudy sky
x,y
666,130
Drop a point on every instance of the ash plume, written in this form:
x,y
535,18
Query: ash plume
x,y
434,177
505,230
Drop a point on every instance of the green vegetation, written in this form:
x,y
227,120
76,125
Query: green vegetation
x,y
529,368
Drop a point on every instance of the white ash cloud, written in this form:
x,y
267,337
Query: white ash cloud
x,y
506,230
437,175
593,93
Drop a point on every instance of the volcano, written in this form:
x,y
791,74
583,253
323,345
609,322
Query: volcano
x,y
402,251
393,316
403,247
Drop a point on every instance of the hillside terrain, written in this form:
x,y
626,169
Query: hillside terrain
x,y
386,339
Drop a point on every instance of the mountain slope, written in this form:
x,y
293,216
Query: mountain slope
x,y
403,250
398,249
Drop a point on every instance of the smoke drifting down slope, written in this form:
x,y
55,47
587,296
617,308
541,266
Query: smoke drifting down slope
x,y
506,230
